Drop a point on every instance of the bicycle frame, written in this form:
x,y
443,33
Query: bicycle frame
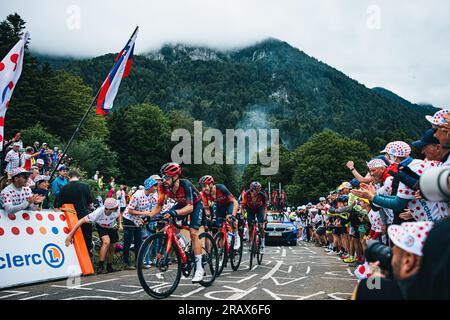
x,y
254,233
223,230
172,239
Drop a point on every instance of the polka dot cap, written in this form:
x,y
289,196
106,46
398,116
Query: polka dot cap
x,y
410,236
400,149
388,148
438,118
376,163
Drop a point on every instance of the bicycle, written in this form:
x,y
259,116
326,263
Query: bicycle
x,y
255,245
226,250
168,260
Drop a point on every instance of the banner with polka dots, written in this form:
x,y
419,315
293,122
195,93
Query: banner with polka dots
x,y
32,248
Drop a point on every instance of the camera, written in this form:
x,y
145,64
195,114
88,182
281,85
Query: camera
x,y
377,251
434,184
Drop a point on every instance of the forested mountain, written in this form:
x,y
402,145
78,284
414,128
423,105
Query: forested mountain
x,y
269,85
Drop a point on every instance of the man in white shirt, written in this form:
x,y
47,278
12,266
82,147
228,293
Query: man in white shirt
x,y
17,196
104,218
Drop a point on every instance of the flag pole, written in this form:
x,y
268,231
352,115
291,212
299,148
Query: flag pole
x,y
77,130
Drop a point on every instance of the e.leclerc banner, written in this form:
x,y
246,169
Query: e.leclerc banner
x,y
32,248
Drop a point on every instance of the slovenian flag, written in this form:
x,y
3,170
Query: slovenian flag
x,y
10,71
121,69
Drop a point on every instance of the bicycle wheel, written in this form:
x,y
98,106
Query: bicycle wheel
x,y
236,255
210,259
162,275
259,254
221,251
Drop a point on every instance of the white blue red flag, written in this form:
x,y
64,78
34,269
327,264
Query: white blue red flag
x,y
10,71
120,70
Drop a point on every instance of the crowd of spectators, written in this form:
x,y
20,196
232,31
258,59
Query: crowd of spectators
x,y
383,204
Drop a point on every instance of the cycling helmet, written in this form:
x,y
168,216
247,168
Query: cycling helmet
x,y
206,180
171,169
255,186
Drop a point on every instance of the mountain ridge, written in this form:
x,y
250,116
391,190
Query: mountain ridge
x,y
291,90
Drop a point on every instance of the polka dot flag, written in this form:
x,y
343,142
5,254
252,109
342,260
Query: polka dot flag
x,y
10,71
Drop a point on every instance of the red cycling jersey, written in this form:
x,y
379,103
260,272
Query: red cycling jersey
x,y
185,195
254,203
222,198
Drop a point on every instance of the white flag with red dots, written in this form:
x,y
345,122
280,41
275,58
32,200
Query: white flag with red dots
x,y
10,71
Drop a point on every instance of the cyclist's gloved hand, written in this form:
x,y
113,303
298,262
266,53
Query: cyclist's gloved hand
x,y
173,213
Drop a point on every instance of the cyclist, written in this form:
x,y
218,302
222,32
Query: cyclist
x,y
254,201
226,204
188,203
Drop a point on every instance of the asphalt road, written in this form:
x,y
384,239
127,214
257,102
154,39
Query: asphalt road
x,y
302,272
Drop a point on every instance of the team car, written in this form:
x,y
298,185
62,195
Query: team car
x,y
280,230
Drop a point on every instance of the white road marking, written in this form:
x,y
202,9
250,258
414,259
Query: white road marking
x,y
283,254
120,292
33,297
312,295
350,272
90,297
289,282
273,295
81,286
13,293
308,270
240,281
190,293
240,295
333,295
274,269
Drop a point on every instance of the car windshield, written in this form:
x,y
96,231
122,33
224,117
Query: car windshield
x,y
275,218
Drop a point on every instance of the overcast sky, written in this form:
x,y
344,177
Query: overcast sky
x,y
403,46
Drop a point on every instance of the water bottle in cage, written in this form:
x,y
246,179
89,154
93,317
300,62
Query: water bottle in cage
x,y
229,237
183,241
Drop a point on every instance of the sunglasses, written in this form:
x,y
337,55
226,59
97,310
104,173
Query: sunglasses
x,y
166,177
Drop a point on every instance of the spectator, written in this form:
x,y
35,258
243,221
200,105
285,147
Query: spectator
x,y
96,176
79,194
104,218
408,241
408,169
138,207
59,182
40,165
29,157
36,146
433,280
16,139
17,196
111,191
41,188
121,196
101,183
55,155
34,172
13,158
429,146
45,157
441,128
